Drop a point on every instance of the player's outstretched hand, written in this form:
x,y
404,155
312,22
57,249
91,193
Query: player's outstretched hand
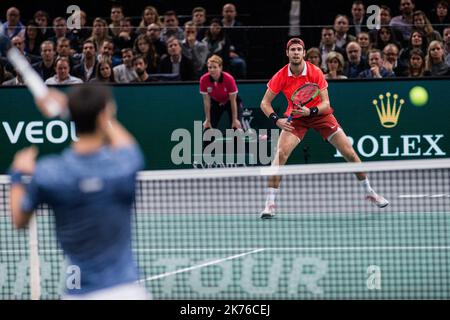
x,y
284,124
53,104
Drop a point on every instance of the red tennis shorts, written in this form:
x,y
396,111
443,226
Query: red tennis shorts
x,y
326,126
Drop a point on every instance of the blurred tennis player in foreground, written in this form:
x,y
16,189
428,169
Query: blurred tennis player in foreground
x,y
316,114
90,187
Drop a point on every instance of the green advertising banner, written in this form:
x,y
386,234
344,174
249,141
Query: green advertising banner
x,y
378,116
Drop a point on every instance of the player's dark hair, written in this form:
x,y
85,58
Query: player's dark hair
x,y
85,104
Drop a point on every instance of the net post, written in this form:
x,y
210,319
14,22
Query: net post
x,y
35,279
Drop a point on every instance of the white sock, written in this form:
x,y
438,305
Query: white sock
x,y
366,185
271,195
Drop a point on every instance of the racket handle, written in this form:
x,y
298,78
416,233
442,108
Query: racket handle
x,y
289,118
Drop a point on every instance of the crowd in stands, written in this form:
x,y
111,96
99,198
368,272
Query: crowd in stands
x,y
122,50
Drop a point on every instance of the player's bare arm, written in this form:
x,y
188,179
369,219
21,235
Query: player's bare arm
x,y
266,106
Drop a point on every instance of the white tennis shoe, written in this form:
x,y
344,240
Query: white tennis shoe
x,y
376,199
268,212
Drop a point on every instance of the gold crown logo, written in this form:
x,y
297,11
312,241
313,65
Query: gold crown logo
x,y
388,113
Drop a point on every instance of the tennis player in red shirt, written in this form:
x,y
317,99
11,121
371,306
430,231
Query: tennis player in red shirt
x,y
220,94
317,115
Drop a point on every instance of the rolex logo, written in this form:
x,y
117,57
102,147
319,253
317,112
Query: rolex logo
x,y
388,112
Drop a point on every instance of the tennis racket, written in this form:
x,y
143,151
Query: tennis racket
x,y
31,78
303,95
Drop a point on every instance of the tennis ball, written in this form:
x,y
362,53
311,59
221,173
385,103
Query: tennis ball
x,y
418,96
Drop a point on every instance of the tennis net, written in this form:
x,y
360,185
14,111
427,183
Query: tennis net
x,y
197,235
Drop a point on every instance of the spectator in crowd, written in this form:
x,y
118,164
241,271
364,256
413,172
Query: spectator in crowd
x,y
341,26
199,19
33,39
384,36
237,37
100,32
107,52
86,69
125,73
171,27
19,43
63,50
4,75
358,20
313,56
140,67
13,27
392,61
176,62
46,67
16,81
193,49
363,40
385,21
435,65
126,36
422,23
149,15
416,64
356,63
154,34
440,17
143,46
104,72
59,29
335,66
328,44
446,34
217,42
404,22
78,36
116,16
377,69
417,40
42,19
62,76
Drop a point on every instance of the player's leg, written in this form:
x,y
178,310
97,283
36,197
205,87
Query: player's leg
x,y
286,144
341,142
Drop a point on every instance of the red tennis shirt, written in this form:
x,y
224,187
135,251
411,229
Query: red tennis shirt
x,y
219,90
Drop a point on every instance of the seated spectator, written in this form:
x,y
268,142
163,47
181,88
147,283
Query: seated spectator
x,y
417,41
363,40
435,65
356,63
140,67
13,27
46,68
62,76
217,42
4,75
154,34
100,32
392,61
328,44
404,22
107,52
126,36
335,66
377,70
42,19
313,56
440,17
63,50
103,72
383,37
176,62
149,15
116,16
33,39
358,21
125,73
79,36
171,27
341,27
144,47
85,70
199,19
446,34
238,41
16,81
193,49
416,65
60,31
422,23
19,43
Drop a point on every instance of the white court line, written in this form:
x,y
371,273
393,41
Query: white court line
x,y
426,195
163,275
